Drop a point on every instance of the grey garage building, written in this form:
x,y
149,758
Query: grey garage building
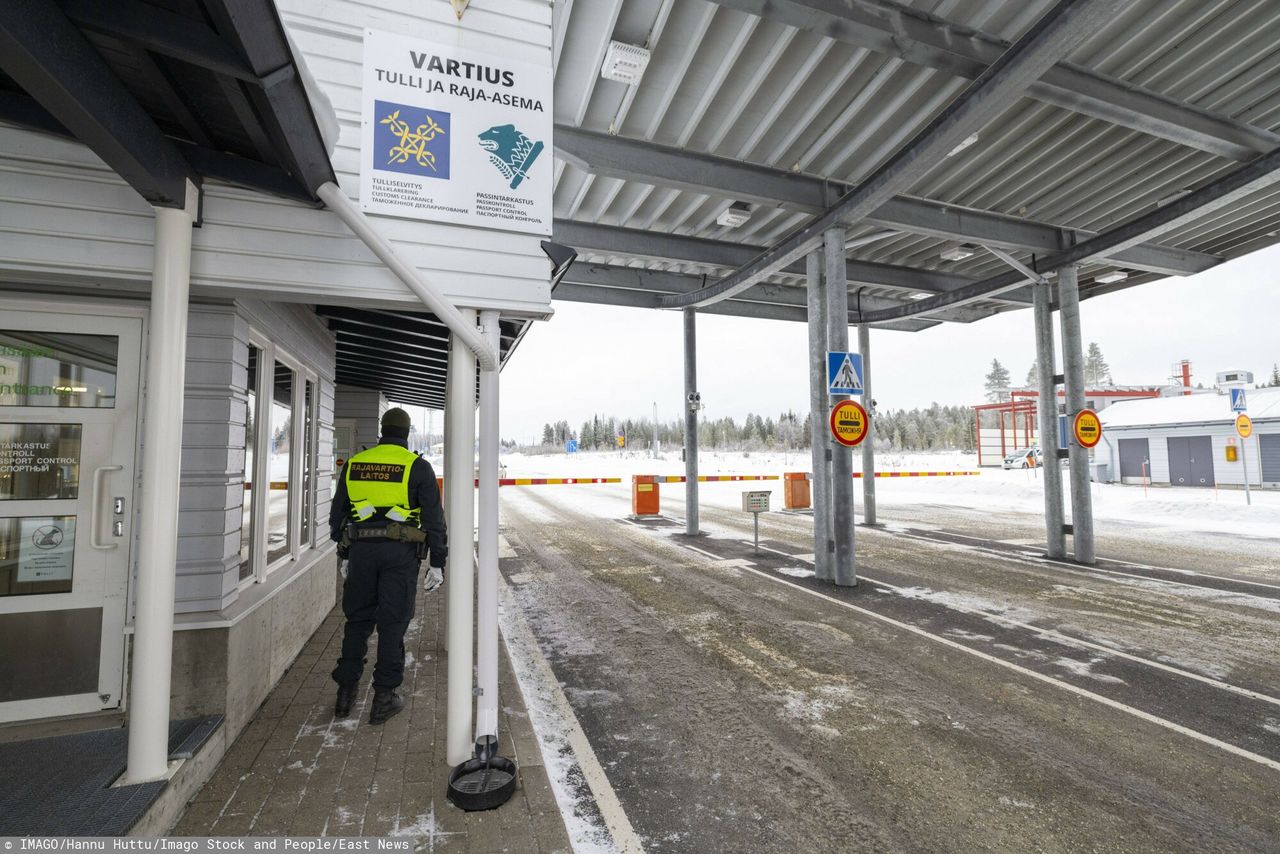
x,y
1191,440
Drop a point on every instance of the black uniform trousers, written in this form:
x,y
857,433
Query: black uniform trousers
x,y
382,582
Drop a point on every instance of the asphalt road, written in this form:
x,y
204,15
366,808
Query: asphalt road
x,y
969,695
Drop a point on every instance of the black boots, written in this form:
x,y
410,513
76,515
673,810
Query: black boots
x,y
386,705
345,700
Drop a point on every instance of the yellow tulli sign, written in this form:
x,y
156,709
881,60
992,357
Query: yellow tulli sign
x,y
1087,428
1244,426
849,423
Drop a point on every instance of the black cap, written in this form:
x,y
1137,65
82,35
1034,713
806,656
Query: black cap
x,y
396,422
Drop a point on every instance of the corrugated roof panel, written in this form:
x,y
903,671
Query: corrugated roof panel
x,y
727,83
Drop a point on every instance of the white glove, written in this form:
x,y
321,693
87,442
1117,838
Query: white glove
x,y
435,577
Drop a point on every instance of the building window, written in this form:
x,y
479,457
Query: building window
x,y
57,369
308,465
278,518
280,473
250,444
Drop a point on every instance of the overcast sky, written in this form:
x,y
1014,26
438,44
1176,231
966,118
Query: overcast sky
x,y
619,361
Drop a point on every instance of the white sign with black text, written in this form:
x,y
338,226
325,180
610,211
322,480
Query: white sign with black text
x,y
457,135
46,548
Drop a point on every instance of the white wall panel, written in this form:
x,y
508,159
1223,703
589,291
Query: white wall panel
x,y
1224,473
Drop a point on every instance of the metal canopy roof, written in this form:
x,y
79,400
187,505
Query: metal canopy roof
x,y
166,91
789,104
403,354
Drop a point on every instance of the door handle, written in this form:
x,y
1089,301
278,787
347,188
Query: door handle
x,y
97,503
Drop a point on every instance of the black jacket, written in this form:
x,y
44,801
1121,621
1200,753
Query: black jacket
x,y
424,492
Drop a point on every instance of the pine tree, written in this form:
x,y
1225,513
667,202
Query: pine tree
x,y
548,435
1033,374
997,382
1096,371
1275,375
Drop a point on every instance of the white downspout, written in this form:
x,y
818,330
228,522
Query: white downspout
x,y
487,547
460,572
331,194
158,505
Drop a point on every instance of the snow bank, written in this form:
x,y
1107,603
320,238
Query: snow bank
x,y
996,490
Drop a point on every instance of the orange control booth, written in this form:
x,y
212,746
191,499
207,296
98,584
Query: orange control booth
x,y
644,495
795,490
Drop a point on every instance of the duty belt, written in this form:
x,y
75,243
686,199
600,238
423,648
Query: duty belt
x,y
392,531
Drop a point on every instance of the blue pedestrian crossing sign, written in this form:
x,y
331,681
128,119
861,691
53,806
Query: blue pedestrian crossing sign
x,y
1237,400
844,373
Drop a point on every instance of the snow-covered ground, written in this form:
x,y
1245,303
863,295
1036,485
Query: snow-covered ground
x,y
1019,491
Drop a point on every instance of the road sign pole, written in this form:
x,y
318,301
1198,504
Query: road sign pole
x,y
1082,546
1244,458
819,442
1047,409
836,268
868,444
690,421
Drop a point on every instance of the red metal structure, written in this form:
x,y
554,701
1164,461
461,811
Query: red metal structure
x,y
1018,414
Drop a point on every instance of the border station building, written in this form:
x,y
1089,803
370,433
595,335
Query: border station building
x,y
1190,440
147,148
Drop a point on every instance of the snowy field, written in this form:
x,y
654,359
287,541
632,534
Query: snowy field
x,y
1016,491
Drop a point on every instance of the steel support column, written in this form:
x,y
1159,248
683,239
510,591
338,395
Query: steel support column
x,y
1047,411
868,443
158,504
1073,374
820,480
460,571
821,447
844,571
691,421
487,544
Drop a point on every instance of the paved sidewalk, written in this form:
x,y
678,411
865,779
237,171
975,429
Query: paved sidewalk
x,y
295,770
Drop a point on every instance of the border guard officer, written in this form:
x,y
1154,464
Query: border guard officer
x,y
386,517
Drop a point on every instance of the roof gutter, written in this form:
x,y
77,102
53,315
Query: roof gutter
x,y
331,194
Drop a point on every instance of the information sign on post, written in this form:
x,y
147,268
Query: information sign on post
x,y
1244,428
849,423
756,502
1238,402
1087,428
455,134
844,372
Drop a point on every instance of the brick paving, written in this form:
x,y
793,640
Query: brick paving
x,y
296,771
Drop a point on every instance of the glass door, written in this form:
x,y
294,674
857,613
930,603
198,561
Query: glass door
x,y
68,436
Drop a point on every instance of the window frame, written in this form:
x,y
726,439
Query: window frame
x,y
293,520
301,453
310,444
263,383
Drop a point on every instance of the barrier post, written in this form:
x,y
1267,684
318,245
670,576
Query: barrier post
x,y
644,495
795,490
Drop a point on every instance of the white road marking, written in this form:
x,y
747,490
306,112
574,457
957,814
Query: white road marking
x,y
701,552
1049,680
1088,569
536,679
1069,640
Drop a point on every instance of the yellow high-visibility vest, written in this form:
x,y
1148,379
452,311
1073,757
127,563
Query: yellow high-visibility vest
x,y
378,480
